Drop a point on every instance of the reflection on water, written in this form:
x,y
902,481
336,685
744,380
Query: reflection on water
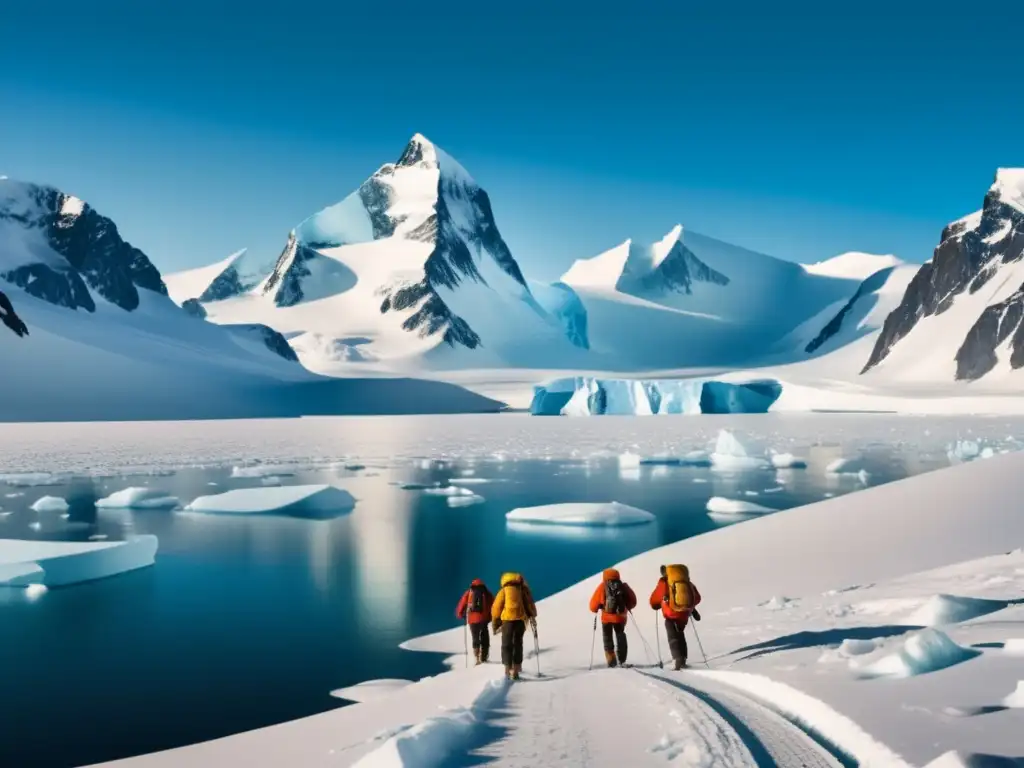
x,y
248,621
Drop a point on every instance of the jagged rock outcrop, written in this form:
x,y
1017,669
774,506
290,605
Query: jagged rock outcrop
x,y
10,318
267,336
193,308
71,250
871,285
972,250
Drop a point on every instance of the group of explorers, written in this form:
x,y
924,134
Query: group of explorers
x,y
513,608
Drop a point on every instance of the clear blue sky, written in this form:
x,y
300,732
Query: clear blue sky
x,y
795,128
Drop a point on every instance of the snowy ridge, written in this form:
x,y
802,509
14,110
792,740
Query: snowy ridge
x,y
854,265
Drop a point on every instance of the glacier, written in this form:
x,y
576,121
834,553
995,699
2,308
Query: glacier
x,y
60,563
585,396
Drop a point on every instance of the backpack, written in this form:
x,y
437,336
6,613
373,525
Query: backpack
x,y
614,597
679,596
476,599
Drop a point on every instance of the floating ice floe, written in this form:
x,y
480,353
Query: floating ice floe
x,y
371,689
448,490
33,479
138,498
263,470
630,460
310,501
60,563
722,506
788,461
926,651
50,504
940,610
849,466
731,455
582,514
465,501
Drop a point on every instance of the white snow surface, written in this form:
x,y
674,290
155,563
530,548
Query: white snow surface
x,y
581,514
292,500
853,265
138,498
770,682
59,564
371,689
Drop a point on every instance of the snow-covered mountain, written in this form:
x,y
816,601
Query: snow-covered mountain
x,y
961,316
238,273
102,339
410,266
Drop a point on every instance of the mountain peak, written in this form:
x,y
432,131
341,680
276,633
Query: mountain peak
x,y
1009,185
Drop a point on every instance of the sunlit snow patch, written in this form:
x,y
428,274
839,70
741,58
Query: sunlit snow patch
x,y
60,563
138,498
371,689
581,514
311,501
926,651
50,504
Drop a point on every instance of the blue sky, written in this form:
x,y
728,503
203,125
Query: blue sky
x,y
794,128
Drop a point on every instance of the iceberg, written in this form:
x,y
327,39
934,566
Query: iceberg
x,y
61,563
584,396
50,504
731,455
581,514
138,498
371,689
788,461
307,501
465,501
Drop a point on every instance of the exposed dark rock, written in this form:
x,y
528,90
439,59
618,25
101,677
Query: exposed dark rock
x,y
10,318
967,256
95,253
977,355
868,286
271,339
285,282
194,308
678,271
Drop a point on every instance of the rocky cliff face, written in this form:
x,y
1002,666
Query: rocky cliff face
x,y
10,318
66,250
971,252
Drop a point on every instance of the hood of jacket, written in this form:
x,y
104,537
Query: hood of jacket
x,y
610,573
477,583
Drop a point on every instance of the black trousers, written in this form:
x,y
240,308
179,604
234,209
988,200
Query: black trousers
x,y
481,637
674,628
615,635
512,633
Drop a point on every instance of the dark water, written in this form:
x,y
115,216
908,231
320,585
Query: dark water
x,y
244,623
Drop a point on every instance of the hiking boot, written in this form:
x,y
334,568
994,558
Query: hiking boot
x,y
680,664
622,659
476,654
609,657
483,656
515,671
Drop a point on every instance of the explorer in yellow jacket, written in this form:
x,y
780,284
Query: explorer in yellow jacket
x,y
513,606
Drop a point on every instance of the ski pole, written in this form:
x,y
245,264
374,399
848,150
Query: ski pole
x,y
593,639
699,645
657,639
536,645
647,648
465,638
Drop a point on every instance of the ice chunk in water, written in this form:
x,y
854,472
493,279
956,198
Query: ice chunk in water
x,y
787,461
731,455
313,501
60,563
723,506
371,689
50,504
138,498
612,513
465,501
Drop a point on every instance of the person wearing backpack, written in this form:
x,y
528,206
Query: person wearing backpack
x,y
615,599
475,609
677,597
513,607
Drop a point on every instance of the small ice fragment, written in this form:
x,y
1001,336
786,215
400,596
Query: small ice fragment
x,y
50,504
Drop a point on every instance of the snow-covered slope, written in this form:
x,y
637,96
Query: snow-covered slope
x,y
237,274
690,301
409,267
909,582
104,340
961,316
853,265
